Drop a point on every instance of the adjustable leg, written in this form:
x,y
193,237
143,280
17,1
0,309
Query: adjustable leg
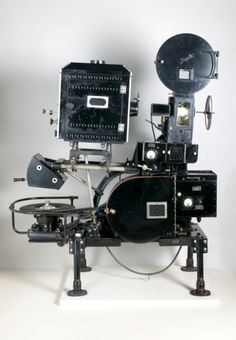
x,y
201,247
83,263
77,286
189,262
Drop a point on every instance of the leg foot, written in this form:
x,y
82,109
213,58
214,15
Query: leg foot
x,y
77,292
86,269
189,269
200,292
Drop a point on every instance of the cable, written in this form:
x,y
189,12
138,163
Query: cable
x,y
153,132
101,187
152,125
141,273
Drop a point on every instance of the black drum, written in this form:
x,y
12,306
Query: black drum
x,y
142,209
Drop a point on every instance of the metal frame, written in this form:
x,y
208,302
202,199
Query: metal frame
x,y
195,240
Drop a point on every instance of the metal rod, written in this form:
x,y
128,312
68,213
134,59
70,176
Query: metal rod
x,y
111,167
79,179
89,182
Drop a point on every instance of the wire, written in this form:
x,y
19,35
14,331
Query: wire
x,y
152,124
141,273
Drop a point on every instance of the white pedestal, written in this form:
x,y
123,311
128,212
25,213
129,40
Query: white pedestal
x,y
114,287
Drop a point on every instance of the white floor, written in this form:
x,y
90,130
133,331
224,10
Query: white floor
x,y
119,305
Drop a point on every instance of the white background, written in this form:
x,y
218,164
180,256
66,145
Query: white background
x,y
37,38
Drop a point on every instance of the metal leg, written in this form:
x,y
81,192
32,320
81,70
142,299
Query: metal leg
x,y
189,262
83,262
200,284
77,286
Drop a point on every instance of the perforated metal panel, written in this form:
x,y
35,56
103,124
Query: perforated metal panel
x,y
94,103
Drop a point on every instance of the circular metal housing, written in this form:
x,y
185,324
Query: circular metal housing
x,y
141,209
185,63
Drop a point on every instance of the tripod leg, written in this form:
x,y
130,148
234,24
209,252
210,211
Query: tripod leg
x,y
189,262
200,284
77,286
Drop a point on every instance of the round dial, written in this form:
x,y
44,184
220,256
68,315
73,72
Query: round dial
x,y
151,155
188,202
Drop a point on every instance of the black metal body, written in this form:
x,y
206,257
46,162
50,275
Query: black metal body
x,y
157,202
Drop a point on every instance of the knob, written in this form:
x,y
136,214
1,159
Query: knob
x,y
151,155
188,202
97,61
50,112
134,106
18,179
53,121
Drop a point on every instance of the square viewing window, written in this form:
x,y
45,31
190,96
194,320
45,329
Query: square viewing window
x,y
185,74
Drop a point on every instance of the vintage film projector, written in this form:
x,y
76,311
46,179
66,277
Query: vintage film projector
x,y
157,197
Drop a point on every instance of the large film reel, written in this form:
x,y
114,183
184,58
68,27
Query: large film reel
x,y
185,63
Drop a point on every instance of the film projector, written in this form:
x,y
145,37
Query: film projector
x,y
155,197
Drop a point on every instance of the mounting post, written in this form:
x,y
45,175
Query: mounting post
x,y
200,284
77,286
189,262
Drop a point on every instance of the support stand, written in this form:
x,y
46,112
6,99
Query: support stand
x,y
196,242
201,248
189,262
77,286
